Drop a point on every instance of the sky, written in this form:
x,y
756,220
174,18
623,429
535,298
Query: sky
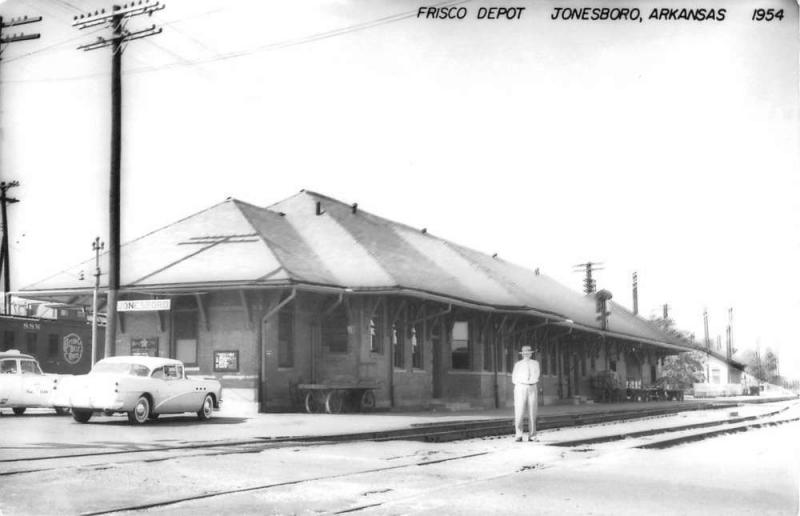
x,y
666,148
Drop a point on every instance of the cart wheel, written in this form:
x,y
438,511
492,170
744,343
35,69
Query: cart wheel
x,y
368,400
333,402
312,405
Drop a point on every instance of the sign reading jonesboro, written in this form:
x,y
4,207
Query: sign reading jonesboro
x,y
143,305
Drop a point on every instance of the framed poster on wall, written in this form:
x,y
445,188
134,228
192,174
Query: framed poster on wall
x,y
144,347
226,361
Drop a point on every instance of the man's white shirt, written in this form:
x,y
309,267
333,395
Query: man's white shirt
x,y
526,372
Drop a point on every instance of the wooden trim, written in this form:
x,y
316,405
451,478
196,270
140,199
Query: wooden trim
x,y
396,314
433,316
333,306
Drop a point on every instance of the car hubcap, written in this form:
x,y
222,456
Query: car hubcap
x,y
141,411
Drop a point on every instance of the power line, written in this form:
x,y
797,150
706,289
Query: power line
x,y
288,43
51,46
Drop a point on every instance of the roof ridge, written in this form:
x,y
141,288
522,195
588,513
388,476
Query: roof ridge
x,y
90,260
261,236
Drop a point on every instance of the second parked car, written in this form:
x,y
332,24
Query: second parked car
x,y
143,388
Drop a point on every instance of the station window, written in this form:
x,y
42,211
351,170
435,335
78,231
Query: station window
x,y
286,336
612,365
652,373
186,329
398,347
416,346
460,346
334,331
376,333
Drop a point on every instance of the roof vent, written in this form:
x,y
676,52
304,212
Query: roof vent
x,y
494,255
536,271
355,208
424,230
320,211
282,214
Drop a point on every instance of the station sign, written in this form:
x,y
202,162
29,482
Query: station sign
x,y
143,305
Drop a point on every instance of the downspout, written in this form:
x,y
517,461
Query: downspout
x,y
262,366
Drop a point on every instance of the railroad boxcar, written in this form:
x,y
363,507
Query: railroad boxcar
x,y
62,346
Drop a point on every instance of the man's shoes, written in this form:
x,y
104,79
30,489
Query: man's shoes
x,y
533,438
518,440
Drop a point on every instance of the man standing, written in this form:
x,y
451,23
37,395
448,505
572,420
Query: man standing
x,y
525,379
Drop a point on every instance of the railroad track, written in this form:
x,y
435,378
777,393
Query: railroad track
x,y
426,432
658,439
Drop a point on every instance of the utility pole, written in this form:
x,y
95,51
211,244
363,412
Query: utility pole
x,y
729,334
116,20
635,294
708,346
5,251
589,285
5,263
97,246
666,312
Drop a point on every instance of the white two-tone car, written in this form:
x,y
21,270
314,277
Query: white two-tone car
x,y
141,387
23,385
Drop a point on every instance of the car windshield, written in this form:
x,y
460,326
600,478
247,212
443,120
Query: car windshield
x,y
121,368
30,367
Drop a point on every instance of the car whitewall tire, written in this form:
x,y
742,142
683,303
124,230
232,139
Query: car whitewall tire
x,y
207,409
140,412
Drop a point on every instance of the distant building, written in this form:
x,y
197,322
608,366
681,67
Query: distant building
x,y
724,376
313,290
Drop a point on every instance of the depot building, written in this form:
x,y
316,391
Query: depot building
x,y
312,290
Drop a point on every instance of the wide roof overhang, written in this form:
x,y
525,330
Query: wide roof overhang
x,y
84,297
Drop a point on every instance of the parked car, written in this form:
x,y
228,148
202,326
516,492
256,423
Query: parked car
x,y
143,388
23,385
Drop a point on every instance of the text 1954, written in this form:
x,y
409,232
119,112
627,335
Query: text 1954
x,y
767,14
